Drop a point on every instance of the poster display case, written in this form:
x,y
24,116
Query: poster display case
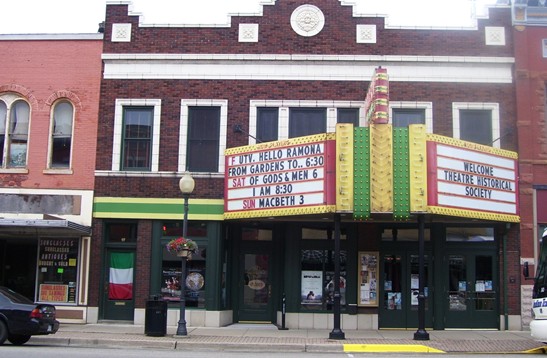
x,y
368,279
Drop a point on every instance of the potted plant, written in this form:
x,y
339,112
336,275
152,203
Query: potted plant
x,y
182,246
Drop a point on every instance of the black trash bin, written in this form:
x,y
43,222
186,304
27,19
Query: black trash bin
x,y
155,319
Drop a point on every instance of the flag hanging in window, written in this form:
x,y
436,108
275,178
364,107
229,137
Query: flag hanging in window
x,y
121,276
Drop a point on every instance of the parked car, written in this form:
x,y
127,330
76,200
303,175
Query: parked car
x,y
20,318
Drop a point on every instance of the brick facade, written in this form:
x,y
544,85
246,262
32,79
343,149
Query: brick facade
x,y
333,48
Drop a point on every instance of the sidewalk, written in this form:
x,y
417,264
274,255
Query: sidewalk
x,y
257,337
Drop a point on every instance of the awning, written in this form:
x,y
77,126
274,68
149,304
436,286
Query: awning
x,y
49,226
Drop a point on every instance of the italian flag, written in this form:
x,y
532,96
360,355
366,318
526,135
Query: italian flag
x,y
121,276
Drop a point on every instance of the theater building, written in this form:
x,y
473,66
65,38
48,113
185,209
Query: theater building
x,y
307,126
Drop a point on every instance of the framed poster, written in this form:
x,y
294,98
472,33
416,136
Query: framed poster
x,y
368,279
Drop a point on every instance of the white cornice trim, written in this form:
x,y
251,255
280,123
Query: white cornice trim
x,y
462,69
304,57
50,37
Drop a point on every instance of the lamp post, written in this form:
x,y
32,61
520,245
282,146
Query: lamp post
x,y
337,332
186,185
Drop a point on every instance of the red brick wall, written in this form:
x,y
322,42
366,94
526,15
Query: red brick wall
x,y
530,80
336,38
43,71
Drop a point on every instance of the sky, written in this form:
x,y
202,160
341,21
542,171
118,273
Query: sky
x,y
84,16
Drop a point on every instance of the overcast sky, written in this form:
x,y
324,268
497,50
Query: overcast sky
x,y
83,16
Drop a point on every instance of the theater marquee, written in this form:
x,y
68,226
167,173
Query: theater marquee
x,y
471,180
289,177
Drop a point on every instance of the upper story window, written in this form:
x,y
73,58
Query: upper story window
x,y
61,135
14,131
137,138
278,120
267,122
203,138
403,117
348,115
136,135
203,135
403,114
477,122
307,121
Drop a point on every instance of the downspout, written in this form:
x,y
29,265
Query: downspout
x,y
506,281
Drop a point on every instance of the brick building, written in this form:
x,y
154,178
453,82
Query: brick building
x,y
174,98
530,33
49,101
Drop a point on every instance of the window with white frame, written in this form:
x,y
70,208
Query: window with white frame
x,y
403,114
14,130
477,122
272,120
61,135
136,135
203,135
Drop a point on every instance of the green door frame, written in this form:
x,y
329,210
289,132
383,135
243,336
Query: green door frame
x,y
476,305
241,247
407,316
120,310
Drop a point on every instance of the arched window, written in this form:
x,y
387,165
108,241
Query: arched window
x,y
3,117
61,135
19,115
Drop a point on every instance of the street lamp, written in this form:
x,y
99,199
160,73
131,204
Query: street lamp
x,y
186,185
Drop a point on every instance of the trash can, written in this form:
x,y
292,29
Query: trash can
x,y
155,319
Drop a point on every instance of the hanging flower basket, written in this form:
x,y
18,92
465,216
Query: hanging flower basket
x,y
182,247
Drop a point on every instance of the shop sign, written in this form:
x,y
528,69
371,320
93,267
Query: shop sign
x,y
57,269
471,180
289,177
53,293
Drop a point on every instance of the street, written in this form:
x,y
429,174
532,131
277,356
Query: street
x,y
33,351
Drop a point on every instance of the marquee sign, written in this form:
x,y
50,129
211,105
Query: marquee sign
x,y
471,180
288,177
377,98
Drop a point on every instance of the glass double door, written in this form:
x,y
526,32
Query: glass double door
x,y
471,292
398,305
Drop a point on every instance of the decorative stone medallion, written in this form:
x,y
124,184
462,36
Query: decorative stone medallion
x,y
307,20
121,33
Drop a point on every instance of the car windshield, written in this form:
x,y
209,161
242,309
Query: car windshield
x,y
14,296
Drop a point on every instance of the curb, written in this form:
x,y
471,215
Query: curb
x,y
255,345
390,348
102,342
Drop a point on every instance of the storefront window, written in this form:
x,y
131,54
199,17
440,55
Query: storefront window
x,y
320,234
250,234
121,233
194,229
58,270
317,279
195,277
398,235
469,234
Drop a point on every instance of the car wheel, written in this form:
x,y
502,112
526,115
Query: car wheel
x,y
3,332
18,339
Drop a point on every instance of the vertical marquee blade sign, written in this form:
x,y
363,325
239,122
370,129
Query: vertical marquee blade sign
x,y
289,177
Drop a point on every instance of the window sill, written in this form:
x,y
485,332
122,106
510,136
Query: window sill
x,y
14,171
58,171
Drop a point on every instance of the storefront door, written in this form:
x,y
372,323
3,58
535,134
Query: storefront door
x,y
118,294
471,293
255,288
399,294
